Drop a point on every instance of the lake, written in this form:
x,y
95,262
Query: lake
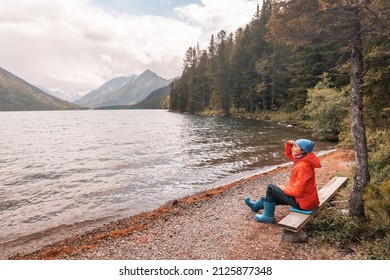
x,y
66,167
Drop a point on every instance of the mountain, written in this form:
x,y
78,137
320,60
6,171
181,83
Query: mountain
x,y
155,100
18,95
132,91
63,93
97,96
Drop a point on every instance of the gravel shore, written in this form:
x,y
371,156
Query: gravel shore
x,y
212,225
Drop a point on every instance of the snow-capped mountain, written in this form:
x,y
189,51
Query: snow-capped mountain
x,y
62,93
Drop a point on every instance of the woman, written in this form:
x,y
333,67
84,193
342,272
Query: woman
x,y
301,193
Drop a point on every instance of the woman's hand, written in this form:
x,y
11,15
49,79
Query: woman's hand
x,y
291,142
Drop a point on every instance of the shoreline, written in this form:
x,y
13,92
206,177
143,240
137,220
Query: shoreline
x,y
167,217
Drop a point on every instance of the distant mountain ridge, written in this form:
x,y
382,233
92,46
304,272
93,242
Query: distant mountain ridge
x,y
97,96
63,93
155,100
18,95
124,90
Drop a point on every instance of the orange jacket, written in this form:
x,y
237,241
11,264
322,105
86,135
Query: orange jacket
x,y
302,181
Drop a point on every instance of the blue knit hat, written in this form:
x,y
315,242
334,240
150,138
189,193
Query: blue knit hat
x,y
305,145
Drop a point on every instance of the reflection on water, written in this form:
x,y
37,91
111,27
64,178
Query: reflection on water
x,y
65,167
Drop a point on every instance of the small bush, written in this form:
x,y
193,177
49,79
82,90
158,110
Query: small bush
x,y
378,143
327,109
377,194
377,202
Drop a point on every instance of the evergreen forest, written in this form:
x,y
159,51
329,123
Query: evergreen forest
x,y
321,64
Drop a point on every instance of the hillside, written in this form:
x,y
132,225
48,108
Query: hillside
x,y
124,91
153,101
18,95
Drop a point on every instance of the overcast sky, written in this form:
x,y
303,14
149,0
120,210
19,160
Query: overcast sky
x,y
80,44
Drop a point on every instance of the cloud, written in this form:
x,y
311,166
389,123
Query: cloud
x,y
213,16
80,45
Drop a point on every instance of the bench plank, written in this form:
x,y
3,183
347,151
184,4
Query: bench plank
x,y
295,221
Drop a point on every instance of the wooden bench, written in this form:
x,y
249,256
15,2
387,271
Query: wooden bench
x,y
295,221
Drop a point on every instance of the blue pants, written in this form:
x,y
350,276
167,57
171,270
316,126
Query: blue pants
x,y
275,194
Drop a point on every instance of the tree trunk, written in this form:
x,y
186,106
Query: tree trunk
x,y
362,175
273,78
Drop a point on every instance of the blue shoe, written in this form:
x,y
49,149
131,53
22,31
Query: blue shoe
x,y
268,215
255,205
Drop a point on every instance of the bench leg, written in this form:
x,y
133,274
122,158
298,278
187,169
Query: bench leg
x,y
294,237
